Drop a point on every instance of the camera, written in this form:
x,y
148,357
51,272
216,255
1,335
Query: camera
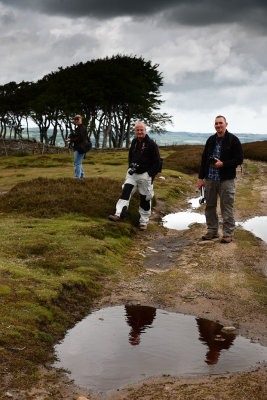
x,y
212,160
202,199
133,168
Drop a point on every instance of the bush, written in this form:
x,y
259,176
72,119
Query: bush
x,y
255,150
185,158
45,198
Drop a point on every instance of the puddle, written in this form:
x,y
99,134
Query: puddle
x,y
256,225
194,202
182,220
121,345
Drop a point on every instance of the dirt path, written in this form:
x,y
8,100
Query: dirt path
x,y
177,271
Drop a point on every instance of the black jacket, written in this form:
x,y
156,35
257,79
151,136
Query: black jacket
x,y
231,156
79,136
146,155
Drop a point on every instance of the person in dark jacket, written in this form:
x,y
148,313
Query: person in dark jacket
x,y
144,163
222,154
79,141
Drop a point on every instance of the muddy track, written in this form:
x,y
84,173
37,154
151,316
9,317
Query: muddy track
x,y
177,271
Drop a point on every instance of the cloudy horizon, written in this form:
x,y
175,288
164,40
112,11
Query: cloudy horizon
x,y
212,56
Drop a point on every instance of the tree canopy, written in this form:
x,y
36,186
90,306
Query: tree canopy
x,y
111,94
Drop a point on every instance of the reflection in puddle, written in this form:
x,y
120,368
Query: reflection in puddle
x,y
256,225
117,346
210,333
182,220
139,319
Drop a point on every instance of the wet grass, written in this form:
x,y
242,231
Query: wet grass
x,y
57,249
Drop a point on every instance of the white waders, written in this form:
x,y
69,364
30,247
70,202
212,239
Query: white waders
x,y
142,182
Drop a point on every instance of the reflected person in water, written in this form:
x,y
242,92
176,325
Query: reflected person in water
x,y
139,318
208,333
222,154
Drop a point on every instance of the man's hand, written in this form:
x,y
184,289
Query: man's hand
x,y
218,164
200,183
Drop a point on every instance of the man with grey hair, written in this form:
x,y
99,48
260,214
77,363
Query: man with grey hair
x,y
222,154
144,164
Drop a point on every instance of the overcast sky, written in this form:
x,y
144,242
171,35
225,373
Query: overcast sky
x,y
212,53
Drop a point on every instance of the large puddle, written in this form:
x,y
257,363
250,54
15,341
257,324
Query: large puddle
x,y
117,346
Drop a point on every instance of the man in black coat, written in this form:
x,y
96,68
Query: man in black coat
x,y
144,163
80,144
222,154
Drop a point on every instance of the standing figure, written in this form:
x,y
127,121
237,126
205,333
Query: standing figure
x,y
81,144
144,163
222,154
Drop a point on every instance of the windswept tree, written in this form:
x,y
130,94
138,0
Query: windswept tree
x,y
14,107
111,94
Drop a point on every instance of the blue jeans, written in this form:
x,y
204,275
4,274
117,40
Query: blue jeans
x,y
78,168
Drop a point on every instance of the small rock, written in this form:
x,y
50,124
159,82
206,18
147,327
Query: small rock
x,y
82,398
219,338
101,319
228,328
9,395
162,177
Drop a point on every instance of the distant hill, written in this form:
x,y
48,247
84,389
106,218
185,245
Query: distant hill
x,y
171,138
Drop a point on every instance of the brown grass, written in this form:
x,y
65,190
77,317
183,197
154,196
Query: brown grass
x,y
185,158
46,198
255,150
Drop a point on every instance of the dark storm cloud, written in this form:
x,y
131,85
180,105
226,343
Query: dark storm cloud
x,y
189,12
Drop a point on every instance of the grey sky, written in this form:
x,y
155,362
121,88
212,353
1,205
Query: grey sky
x,y
212,53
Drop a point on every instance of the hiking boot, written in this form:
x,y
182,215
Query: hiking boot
x,y
115,218
142,227
226,239
210,236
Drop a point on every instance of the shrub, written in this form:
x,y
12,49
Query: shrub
x,y
255,150
185,158
45,198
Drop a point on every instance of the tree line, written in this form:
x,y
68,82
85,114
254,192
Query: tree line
x,y
111,94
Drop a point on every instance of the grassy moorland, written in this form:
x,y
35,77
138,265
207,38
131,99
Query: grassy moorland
x,y
256,150
58,248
